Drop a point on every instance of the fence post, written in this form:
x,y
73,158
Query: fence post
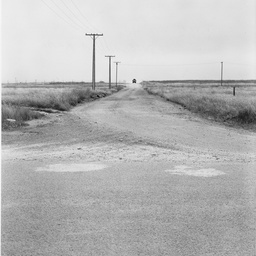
x,y
234,91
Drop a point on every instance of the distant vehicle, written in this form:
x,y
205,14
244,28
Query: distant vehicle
x,y
134,81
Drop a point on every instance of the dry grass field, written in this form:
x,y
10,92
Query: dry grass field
x,y
211,100
21,102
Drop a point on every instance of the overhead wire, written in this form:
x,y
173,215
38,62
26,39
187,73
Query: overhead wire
x,y
84,17
74,15
240,64
108,48
104,47
170,65
103,42
81,24
56,13
68,16
70,21
101,47
73,24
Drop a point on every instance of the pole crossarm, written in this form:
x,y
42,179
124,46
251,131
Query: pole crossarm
x,y
94,37
93,34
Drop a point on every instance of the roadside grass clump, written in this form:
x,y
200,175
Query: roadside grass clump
x,y
61,100
119,87
219,108
214,103
18,113
23,106
14,116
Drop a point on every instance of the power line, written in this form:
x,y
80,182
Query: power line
x,y
84,17
59,15
241,64
83,25
104,43
170,65
186,64
70,18
103,47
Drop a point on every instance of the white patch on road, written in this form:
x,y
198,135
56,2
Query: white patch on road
x,y
72,167
186,170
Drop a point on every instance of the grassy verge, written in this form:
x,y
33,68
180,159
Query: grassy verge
x,y
14,116
59,100
18,107
213,102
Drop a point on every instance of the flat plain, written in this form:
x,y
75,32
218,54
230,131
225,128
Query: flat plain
x,y
231,102
128,174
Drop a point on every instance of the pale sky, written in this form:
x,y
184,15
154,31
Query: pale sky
x,y
45,40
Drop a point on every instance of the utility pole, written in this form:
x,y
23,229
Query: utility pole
x,y
94,37
221,74
109,57
117,62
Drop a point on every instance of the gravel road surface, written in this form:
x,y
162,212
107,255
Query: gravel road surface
x,y
130,174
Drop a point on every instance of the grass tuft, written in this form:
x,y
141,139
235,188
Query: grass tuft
x,y
18,113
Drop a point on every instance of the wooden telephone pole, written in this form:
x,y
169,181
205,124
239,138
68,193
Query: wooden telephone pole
x,y
94,37
117,62
221,76
109,57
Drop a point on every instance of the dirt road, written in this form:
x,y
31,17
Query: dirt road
x,y
130,174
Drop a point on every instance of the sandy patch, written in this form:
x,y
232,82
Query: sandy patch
x,y
186,170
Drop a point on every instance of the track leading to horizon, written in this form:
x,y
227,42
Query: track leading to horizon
x,y
130,174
